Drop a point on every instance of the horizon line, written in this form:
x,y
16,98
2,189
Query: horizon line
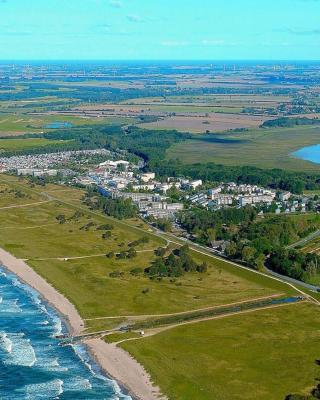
x,y
156,60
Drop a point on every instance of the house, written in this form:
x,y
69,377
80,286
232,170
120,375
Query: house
x,y
195,184
284,196
148,176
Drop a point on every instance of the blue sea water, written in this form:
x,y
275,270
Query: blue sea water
x,y
32,364
310,153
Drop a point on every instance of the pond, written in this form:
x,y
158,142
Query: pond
x,y
309,153
58,125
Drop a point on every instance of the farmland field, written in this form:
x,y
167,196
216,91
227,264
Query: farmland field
x,y
200,124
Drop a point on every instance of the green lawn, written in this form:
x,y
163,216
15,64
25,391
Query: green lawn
x,y
265,148
263,355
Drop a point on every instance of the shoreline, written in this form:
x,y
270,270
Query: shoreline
x,y
115,362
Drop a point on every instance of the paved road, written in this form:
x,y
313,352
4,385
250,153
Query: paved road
x,y
294,281
304,241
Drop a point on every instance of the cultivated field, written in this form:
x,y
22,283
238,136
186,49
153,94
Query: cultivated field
x,y
214,122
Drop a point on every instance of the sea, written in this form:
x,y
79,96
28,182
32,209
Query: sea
x,y
309,153
33,365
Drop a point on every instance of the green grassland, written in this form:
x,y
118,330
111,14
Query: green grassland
x,y
12,196
86,281
24,144
263,355
29,123
265,148
218,359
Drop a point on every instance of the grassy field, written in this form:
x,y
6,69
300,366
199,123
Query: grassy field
x,y
223,100
27,232
22,144
265,148
218,359
18,124
263,355
217,122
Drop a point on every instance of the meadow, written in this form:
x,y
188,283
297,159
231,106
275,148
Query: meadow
x,y
265,148
24,144
19,124
191,361
262,355
33,233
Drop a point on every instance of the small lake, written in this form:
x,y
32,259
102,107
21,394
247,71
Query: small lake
x,y
58,125
310,153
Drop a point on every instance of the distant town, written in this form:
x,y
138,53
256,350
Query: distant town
x,y
120,178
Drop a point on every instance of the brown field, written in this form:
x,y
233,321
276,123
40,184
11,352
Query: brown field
x,y
215,122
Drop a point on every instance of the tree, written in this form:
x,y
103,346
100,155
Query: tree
x,y
136,271
202,268
248,254
160,252
211,234
61,218
131,253
231,250
259,262
106,235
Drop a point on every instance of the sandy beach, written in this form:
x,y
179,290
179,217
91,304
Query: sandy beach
x,y
116,362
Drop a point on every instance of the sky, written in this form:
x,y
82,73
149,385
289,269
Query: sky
x,y
160,29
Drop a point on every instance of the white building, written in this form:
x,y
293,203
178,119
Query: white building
x,y
213,192
195,184
284,196
148,176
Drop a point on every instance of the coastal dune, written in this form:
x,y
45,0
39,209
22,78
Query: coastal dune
x,y
116,362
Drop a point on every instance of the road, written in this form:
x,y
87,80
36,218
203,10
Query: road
x,y
294,281
304,241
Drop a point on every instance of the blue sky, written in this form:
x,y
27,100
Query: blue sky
x,y
160,29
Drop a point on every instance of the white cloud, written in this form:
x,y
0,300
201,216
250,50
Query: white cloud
x,y
115,3
135,18
174,43
213,42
